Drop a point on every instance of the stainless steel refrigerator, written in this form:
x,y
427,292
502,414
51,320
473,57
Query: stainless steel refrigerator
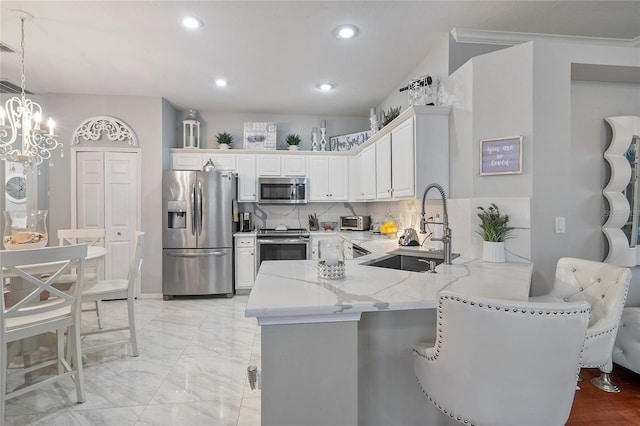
x,y
198,226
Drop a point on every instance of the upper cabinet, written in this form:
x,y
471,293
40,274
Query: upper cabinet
x,y
396,163
282,165
328,178
246,168
410,153
195,161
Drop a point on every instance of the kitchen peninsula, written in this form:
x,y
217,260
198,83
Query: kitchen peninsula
x,y
339,351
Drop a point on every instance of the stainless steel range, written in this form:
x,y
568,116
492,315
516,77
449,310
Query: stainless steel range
x,y
283,244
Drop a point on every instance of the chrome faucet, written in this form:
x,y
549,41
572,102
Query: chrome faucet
x,y
446,235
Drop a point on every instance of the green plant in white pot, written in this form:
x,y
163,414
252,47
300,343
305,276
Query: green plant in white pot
x,y
293,141
224,140
494,230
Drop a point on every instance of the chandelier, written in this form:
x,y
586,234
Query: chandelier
x,y
21,120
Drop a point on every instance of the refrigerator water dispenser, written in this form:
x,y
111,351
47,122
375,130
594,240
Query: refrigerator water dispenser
x,y
177,211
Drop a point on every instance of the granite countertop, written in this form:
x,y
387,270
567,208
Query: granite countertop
x,y
290,291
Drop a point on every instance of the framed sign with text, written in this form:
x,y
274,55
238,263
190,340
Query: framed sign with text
x,y
501,156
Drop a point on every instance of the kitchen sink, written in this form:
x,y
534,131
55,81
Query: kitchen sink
x,y
406,262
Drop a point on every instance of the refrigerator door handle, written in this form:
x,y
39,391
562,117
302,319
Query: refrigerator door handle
x,y
193,210
204,254
200,208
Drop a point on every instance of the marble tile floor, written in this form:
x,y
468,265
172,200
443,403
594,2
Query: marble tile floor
x,y
191,370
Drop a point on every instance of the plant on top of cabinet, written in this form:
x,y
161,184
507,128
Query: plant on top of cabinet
x,y
388,116
293,141
224,140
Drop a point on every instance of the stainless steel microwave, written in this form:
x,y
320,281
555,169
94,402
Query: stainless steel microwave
x,y
283,190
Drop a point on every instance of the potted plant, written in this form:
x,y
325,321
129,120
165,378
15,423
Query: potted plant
x,y
293,141
494,230
224,140
388,116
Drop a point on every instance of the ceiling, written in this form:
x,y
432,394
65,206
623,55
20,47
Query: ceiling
x,y
273,53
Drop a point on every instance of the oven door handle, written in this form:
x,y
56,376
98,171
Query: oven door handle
x,y
283,241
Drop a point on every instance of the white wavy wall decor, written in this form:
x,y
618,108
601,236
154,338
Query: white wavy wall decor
x,y
624,128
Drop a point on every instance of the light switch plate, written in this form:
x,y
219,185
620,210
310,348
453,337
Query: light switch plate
x,y
560,225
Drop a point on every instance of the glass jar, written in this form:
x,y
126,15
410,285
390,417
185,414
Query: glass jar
x,y
25,230
331,259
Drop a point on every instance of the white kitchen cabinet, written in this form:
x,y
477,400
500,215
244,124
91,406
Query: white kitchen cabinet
x,y
246,168
383,168
269,165
221,161
294,165
245,263
410,154
328,178
367,166
195,161
186,161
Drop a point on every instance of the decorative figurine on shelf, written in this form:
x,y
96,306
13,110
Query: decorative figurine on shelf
x,y
422,91
373,119
323,136
314,139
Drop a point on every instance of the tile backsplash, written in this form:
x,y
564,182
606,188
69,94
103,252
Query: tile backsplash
x,y
462,213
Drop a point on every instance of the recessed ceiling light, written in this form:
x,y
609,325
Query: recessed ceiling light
x,y
345,32
326,87
192,23
221,82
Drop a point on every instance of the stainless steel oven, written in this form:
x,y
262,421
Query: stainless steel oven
x,y
283,244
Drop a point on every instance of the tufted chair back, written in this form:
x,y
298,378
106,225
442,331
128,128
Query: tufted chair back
x,y
472,371
605,287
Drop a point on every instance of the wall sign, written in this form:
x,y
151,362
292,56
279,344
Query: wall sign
x,y
501,156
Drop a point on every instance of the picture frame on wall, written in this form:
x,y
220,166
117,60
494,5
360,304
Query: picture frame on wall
x,y
348,142
260,136
501,156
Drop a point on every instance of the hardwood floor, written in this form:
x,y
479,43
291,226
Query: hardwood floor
x,y
591,406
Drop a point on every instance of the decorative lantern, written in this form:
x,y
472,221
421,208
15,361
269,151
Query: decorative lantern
x,y
191,131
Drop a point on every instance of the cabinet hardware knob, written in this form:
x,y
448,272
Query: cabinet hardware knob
x,y
119,233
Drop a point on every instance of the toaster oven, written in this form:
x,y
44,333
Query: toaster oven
x,y
355,223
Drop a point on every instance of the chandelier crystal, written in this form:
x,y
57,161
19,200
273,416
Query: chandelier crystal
x,y
21,120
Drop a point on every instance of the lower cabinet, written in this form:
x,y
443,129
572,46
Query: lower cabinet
x,y
245,263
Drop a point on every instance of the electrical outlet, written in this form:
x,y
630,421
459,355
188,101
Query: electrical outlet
x,y
560,225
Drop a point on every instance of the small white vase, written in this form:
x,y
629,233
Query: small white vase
x,y
293,147
223,146
493,251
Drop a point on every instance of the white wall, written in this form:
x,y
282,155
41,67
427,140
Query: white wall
x,y
143,115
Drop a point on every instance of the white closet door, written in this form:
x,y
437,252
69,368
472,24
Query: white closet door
x,y
120,190
90,189
107,194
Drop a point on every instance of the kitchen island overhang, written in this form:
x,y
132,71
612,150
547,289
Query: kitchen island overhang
x,y
339,351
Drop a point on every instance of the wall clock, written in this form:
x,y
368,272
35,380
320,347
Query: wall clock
x,y
16,189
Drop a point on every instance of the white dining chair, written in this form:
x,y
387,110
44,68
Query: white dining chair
x,y
42,308
91,237
118,289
